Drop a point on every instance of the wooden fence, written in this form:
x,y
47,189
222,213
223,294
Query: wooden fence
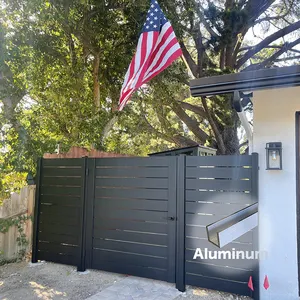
x,y
17,206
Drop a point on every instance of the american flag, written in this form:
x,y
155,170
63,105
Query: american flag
x,y
157,49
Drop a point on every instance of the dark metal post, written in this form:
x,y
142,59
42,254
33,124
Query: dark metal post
x,y
172,176
180,240
81,262
254,193
89,205
35,238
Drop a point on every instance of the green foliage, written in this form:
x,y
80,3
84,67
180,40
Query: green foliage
x,y
62,64
11,183
22,240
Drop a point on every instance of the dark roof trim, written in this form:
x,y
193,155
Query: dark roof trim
x,y
246,81
184,148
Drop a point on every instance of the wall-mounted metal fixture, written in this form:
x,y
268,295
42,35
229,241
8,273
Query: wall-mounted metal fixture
x,y
274,156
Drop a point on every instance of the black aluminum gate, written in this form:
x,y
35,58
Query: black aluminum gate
x,y
145,216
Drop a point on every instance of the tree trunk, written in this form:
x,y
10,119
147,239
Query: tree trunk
x,y
96,80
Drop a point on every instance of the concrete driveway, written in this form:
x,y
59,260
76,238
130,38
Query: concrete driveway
x,y
47,281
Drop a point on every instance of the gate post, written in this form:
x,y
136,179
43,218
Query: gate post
x,y
81,261
180,232
35,239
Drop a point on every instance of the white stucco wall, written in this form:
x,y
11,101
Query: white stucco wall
x,y
274,121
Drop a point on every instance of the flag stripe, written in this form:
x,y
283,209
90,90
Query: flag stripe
x,y
170,60
167,52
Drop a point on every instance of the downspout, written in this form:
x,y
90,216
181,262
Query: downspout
x,y
244,121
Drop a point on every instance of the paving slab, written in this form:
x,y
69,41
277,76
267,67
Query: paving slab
x,y
134,288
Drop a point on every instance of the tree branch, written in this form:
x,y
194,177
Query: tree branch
x,y
214,127
179,140
273,37
273,58
191,123
196,109
200,10
189,59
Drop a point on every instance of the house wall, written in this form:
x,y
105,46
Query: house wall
x,y
274,121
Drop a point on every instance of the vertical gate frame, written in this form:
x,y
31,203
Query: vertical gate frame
x,y
180,234
172,217
89,205
35,238
81,261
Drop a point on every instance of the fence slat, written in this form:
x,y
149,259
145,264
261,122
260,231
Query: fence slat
x,y
132,193
138,204
158,274
219,161
216,184
139,226
152,216
229,173
130,259
133,162
145,249
138,172
153,183
155,239
220,272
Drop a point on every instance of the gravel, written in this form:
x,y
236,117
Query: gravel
x,y
48,281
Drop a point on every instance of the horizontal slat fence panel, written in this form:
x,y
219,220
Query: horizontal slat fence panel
x,y
129,247
130,225
225,262
62,163
138,215
157,162
194,243
137,237
223,197
215,172
217,187
159,274
137,204
219,284
62,181
62,172
139,226
132,193
55,228
57,257
221,272
231,161
134,215
60,210
58,238
61,200
141,172
152,183
200,232
130,258
213,208
217,184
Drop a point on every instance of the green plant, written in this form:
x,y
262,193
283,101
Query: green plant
x,y
22,240
11,182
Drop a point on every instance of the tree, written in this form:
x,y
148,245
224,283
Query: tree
x,y
62,65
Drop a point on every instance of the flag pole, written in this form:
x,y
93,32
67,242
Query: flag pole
x,y
188,67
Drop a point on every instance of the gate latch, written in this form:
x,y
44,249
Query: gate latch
x,y
171,218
